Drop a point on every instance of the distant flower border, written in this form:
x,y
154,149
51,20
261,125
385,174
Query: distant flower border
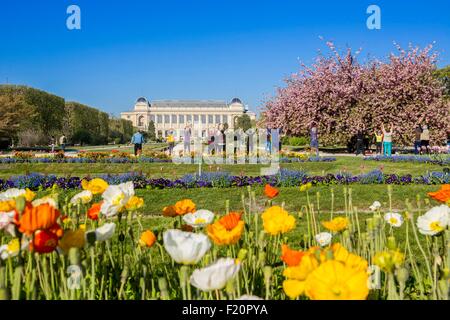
x,y
13,160
439,160
285,178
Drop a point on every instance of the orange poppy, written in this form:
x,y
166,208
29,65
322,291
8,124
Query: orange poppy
x,y
442,195
94,211
169,211
291,257
41,217
231,220
184,206
147,239
44,241
271,192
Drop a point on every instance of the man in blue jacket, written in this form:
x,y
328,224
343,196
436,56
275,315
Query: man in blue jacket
x,y
138,141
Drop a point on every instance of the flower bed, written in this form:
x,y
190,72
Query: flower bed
x,y
130,159
440,160
86,247
285,178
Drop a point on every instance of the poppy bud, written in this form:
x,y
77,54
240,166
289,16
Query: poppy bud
x,y
162,283
74,256
267,274
402,275
242,254
20,204
391,243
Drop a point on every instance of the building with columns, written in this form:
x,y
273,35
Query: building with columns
x,y
175,115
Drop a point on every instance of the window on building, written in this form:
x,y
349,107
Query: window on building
x,y
128,117
217,118
159,118
196,118
224,118
166,118
174,118
181,118
189,118
204,118
210,119
152,118
141,121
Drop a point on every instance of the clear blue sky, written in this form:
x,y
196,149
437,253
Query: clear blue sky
x,y
195,49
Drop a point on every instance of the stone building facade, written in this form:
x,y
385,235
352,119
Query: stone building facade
x,y
175,115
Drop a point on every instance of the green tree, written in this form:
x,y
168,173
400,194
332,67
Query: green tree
x,y
244,122
151,131
444,75
15,114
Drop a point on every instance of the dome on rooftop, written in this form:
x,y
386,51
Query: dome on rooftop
x,y
236,100
141,99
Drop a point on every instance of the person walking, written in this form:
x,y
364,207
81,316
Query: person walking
x,y
62,143
314,139
379,142
53,143
360,142
425,139
417,139
387,140
138,140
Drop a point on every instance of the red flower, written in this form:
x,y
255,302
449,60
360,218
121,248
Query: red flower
x,y
94,211
44,241
271,192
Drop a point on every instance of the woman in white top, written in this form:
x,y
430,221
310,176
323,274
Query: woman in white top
x,y
387,140
425,139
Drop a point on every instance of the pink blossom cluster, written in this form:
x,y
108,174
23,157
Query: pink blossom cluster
x,y
342,96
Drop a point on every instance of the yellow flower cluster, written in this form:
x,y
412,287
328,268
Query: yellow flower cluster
x,y
134,203
276,220
337,224
328,274
96,186
388,260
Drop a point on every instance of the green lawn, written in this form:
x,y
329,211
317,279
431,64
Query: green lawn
x,y
215,199
354,165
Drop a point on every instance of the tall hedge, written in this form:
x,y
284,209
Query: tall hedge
x,y
49,108
84,124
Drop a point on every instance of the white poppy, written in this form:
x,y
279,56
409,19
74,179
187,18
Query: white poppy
x,y
116,197
323,238
83,197
249,297
434,221
12,249
394,219
52,202
375,206
6,222
185,247
199,218
105,232
215,276
11,194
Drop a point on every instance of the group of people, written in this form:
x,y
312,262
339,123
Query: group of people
x,y
382,138
62,143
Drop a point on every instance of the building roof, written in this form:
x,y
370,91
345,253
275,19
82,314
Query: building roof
x,y
188,104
